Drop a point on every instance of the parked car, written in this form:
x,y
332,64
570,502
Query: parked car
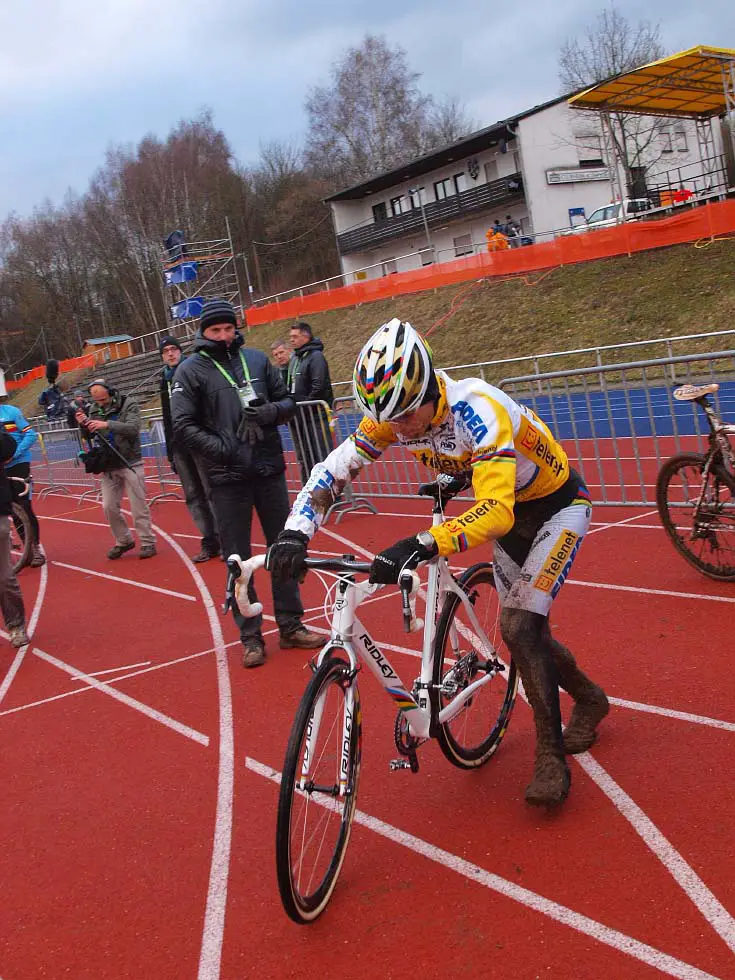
x,y
615,214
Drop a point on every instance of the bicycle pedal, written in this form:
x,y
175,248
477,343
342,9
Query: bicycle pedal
x,y
395,764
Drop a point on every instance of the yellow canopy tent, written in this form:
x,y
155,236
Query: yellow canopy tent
x,y
698,83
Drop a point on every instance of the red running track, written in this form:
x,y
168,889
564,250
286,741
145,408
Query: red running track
x,y
138,814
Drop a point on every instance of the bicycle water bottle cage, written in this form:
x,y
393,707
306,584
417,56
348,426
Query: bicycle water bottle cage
x,y
692,393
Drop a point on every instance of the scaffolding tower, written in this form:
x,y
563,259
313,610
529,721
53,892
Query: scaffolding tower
x,y
194,272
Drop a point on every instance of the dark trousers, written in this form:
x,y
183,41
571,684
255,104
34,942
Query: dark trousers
x,y
23,470
11,600
195,485
233,505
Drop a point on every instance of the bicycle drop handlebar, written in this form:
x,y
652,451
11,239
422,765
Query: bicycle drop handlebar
x,y
239,574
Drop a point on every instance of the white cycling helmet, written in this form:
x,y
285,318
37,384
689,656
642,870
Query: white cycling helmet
x,y
392,372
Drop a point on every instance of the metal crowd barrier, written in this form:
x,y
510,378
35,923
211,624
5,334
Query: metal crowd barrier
x,y
153,445
56,465
619,423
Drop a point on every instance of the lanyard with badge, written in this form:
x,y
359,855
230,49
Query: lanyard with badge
x,y
245,391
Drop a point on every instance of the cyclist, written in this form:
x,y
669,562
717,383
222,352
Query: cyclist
x,y
528,501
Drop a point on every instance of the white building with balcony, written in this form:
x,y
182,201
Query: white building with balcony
x,y
546,168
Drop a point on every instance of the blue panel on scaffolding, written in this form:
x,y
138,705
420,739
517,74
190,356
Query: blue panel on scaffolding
x,y
186,272
187,308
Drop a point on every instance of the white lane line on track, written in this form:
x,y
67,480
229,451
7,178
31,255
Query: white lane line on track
x,y
684,875
126,581
111,680
665,592
73,520
559,913
32,623
144,709
213,930
626,520
114,670
652,709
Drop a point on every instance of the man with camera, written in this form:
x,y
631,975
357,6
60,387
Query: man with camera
x,y
226,404
111,425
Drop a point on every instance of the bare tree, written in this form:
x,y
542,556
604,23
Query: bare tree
x,y
372,116
611,46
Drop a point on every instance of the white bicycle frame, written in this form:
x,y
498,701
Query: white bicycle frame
x,y
349,636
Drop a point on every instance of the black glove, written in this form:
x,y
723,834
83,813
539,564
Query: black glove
x,y
404,554
254,417
285,557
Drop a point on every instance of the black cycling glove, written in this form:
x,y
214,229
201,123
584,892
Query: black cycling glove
x,y
253,419
404,554
285,557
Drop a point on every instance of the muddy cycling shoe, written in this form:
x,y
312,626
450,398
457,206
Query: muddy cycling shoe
x,y
254,655
580,734
550,784
18,636
37,558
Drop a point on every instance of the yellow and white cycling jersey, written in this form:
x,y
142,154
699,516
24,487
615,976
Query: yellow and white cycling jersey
x,y
477,429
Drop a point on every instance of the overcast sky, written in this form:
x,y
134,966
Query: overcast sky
x,y
77,76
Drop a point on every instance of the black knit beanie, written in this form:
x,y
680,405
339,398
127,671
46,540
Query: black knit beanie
x,y
217,311
168,342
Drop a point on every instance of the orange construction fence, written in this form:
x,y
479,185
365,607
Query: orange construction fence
x,y
706,221
70,364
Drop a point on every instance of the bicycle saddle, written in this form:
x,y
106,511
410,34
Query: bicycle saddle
x,y
445,487
690,393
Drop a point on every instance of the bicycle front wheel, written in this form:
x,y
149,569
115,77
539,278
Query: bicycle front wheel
x,y
698,515
21,538
315,810
463,655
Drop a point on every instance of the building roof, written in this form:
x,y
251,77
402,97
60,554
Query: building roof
x,y
476,142
690,84
118,337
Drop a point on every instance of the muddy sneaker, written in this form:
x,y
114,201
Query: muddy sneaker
x,y
301,639
37,557
147,551
580,733
18,636
550,784
254,655
119,550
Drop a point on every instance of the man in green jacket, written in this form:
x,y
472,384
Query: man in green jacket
x,y
115,419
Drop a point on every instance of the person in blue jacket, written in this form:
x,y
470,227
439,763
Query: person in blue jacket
x,y
15,424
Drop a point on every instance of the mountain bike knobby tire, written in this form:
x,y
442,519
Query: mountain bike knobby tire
x,y
692,548
475,733
21,538
313,826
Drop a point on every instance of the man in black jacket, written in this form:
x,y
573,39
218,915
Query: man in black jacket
x,y
190,472
226,404
11,600
309,381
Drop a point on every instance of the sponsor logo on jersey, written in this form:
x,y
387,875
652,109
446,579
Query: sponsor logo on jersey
x,y
457,524
556,567
530,438
471,419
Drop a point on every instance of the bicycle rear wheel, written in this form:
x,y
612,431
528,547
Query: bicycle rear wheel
x,y
21,538
314,816
704,535
462,656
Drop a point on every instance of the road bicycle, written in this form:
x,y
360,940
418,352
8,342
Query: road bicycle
x,y
21,532
463,697
695,494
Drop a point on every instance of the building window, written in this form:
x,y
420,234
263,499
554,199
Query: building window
x,y
666,142
399,205
444,188
681,140
460,182
380,212
463,245
491,170
389,267
589,150
415,195
427,256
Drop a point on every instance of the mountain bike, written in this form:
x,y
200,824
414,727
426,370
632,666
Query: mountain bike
x,y
21,532
695,494
463,697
